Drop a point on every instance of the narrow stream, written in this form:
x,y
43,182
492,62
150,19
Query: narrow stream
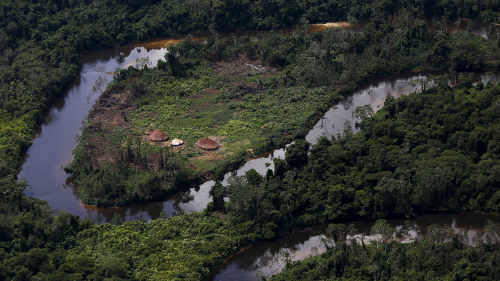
x,y
54,140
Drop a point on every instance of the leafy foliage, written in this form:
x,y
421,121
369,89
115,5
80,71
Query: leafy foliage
x,y
422,151
445,136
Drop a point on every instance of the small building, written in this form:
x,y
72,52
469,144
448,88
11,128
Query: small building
x,y
158,136
176,142
207,144
149,132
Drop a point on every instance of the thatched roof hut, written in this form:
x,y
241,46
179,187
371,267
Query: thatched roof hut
x,y
207,144
149,132
158,136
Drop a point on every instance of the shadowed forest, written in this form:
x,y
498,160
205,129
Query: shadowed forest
x,y
439,254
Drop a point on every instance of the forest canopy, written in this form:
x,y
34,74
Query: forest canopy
x,y
251,95
384,170
439,254
432,149
41,42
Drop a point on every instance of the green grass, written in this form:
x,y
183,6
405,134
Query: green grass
x,y
240,119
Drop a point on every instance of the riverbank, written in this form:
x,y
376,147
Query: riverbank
x,y
424,153
40,51
301,245
194,240
439,253
54,139
347,187
214,108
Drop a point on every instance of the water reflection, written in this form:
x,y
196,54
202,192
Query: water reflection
x,y
262,257
54,139
374,94
245,265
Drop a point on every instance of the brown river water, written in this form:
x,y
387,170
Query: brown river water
x,y
54,140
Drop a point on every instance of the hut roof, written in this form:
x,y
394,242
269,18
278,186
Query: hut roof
x,y
149,132
207,144
176,142
158,136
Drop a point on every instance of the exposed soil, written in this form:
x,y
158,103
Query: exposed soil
x,y
113,105
111,113
112,108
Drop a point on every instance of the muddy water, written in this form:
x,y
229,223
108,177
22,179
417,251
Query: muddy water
x,y
261,258
54,139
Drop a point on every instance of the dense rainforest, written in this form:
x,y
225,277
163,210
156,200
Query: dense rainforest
x,y
386,169
410,156
41,42
202,90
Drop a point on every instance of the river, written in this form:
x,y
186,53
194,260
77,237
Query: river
x,y
261,258
54,139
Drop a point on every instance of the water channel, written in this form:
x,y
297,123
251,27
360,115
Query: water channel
x,y
261,258
54,140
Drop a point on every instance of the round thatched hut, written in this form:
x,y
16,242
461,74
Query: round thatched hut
x,y
207,144
149,132
158,136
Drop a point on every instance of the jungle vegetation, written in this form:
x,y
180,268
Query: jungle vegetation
x,y
386,169
41,43
217,89
439,254
433,149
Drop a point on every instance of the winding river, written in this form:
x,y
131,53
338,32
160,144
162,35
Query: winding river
x,y
54,140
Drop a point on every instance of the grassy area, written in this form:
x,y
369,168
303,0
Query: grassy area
x,y
246,115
